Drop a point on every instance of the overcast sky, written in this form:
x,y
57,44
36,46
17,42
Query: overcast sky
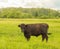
x,y
55,4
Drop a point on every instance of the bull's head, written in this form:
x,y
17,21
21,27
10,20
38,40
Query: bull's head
x,y
23,27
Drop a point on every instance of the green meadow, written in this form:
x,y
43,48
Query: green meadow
x,y
11,36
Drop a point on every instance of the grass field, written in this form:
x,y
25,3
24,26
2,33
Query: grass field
x,y
11,36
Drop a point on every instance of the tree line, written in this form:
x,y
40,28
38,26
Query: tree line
x,y
42,13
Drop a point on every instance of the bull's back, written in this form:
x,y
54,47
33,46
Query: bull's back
x,y
38,25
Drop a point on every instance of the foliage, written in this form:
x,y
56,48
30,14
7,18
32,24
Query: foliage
x,y
28,13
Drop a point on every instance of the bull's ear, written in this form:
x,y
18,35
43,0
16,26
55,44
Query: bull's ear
x,y
19,26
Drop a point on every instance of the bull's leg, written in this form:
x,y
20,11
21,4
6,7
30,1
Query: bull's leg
x,y
43,37
46,37
27,36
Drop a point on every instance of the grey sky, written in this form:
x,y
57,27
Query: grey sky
x,y
55,4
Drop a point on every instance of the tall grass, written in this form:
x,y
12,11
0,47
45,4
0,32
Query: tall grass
x,y
11,36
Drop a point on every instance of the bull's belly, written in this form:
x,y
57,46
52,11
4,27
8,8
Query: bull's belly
x,y
36,34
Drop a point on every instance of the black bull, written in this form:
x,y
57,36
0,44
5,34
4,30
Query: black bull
x,y
35,30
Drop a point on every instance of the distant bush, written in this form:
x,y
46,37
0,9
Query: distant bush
x,y
28,13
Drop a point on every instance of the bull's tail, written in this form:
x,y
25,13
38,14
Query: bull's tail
x,y
49,33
